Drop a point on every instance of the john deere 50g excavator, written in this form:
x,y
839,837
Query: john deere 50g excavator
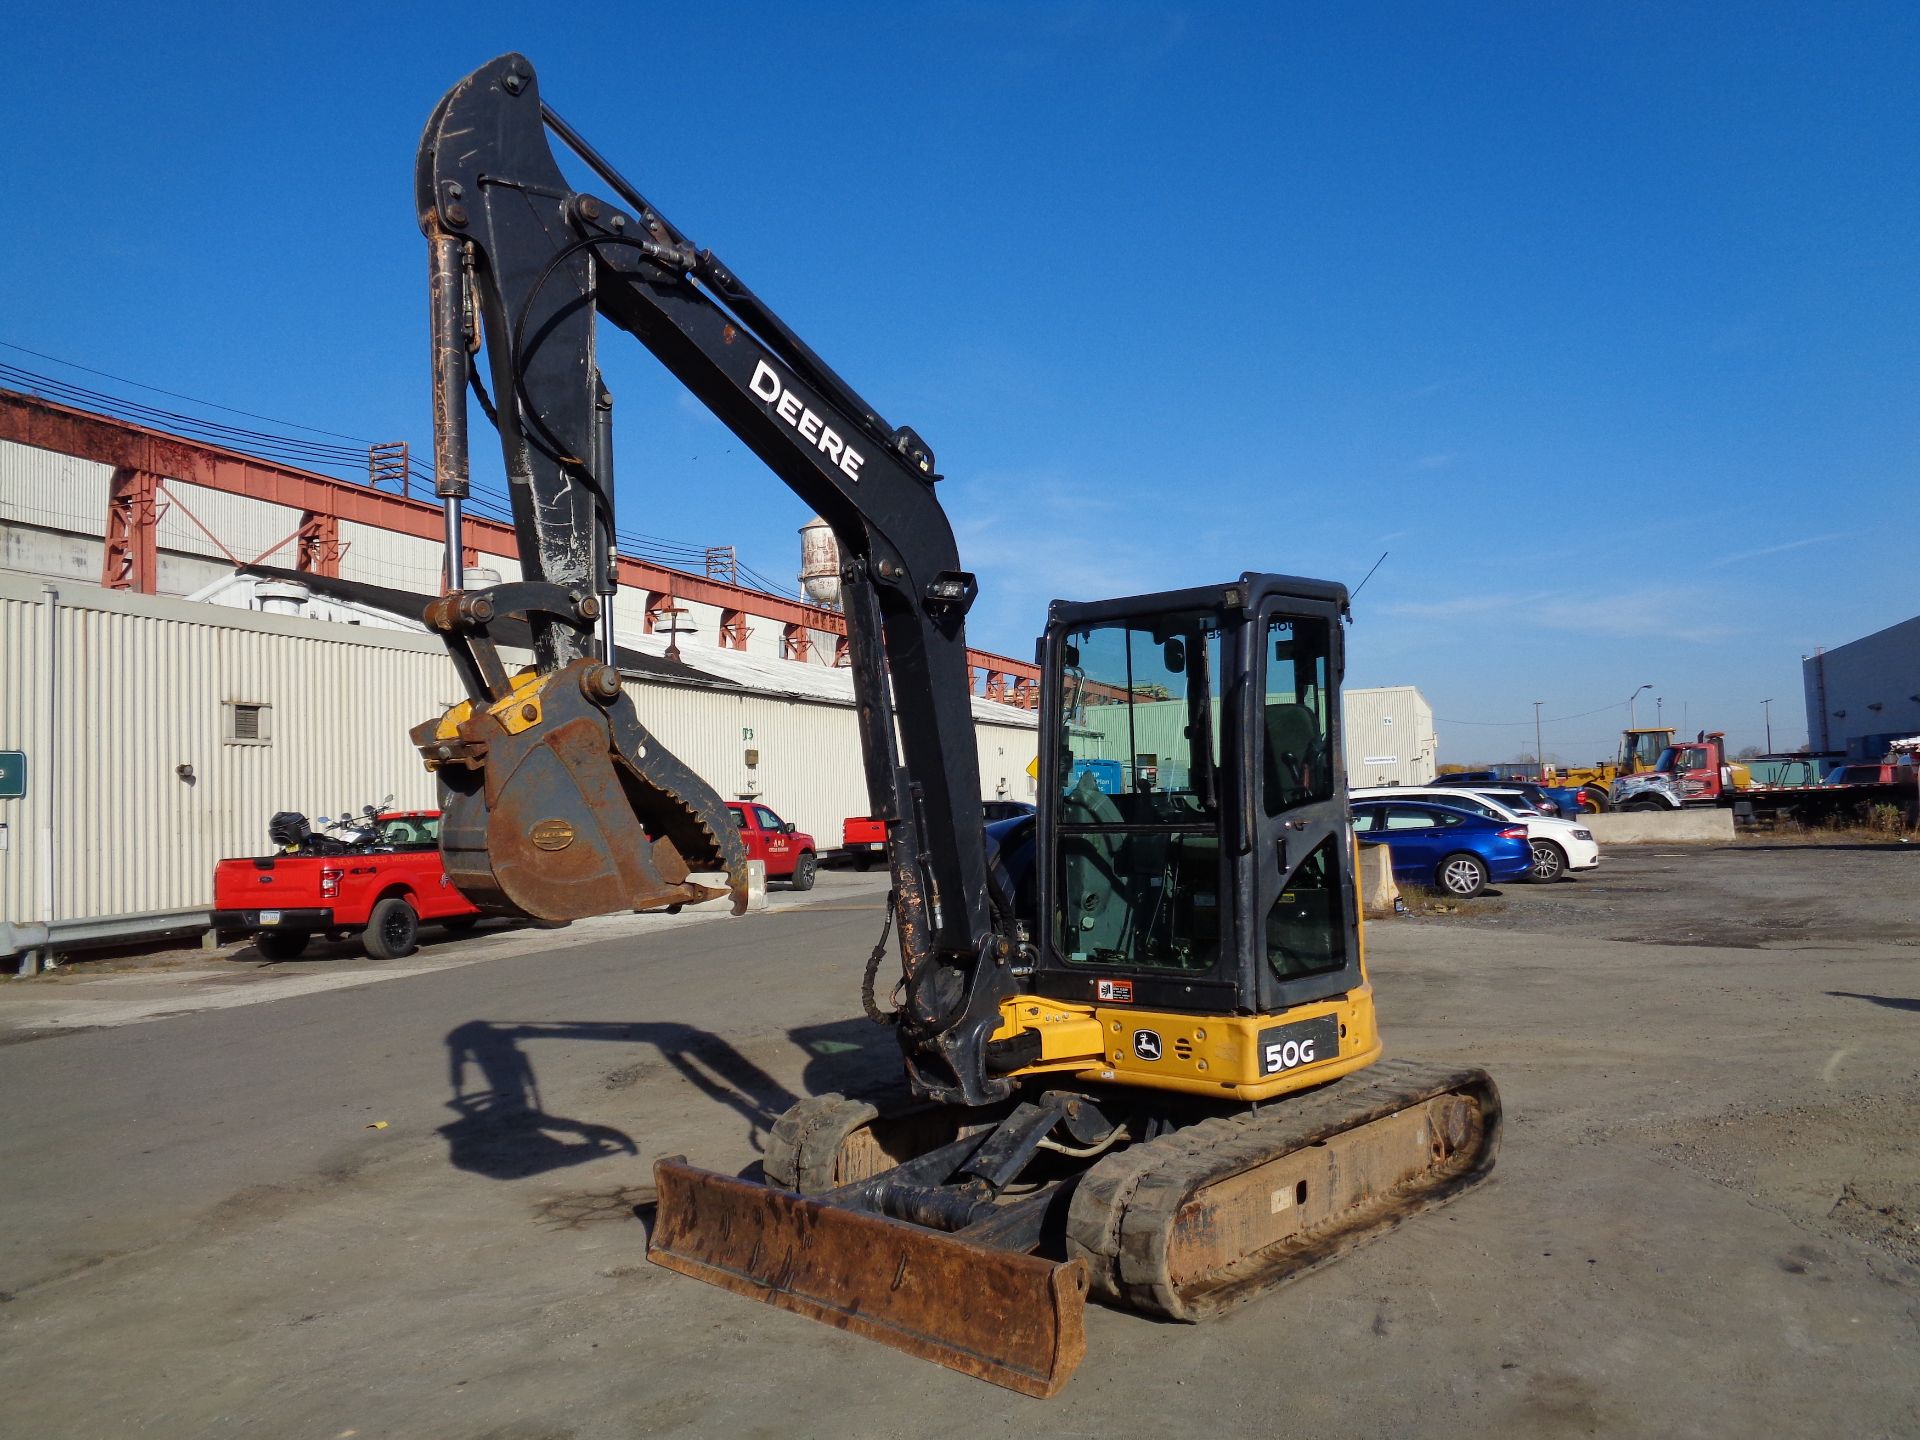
x,y
1138,1036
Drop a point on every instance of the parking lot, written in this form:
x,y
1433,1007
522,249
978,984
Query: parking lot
x,y
334,1207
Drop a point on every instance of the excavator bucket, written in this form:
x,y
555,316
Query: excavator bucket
x,y
1012,1318
559,805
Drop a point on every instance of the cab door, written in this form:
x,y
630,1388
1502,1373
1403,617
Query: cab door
x,y
1300,928
750,836
773,835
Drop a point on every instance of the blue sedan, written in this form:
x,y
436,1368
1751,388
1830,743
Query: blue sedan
x,y
1453,850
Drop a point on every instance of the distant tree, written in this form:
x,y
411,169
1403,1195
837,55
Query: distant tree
x,y
1748,752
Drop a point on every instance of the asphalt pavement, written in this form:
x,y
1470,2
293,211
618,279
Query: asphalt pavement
x,y
358,1203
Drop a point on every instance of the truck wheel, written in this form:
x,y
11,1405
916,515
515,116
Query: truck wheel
x,y
803,868
281,944
863,861
1593,802
1461,876
1549,862
393,930
1645,807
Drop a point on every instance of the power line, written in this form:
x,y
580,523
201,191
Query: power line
x,y
177,395
487,500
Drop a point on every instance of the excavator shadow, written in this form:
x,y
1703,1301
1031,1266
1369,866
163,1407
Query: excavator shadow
x,y
503,1130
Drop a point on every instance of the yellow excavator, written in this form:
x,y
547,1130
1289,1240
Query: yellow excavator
x,y
1139,1053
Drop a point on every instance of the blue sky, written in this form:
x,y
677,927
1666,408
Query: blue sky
x,y
1601,320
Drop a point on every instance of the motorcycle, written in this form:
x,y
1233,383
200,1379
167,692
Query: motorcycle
x,y
351,832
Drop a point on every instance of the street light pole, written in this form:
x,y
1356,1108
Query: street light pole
x,y
1539,755
1766,711
1631,725
673,612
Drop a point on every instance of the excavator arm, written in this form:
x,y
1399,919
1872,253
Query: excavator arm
x,y
591,814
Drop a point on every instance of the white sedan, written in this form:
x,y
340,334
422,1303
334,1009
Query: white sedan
x,y
1559,846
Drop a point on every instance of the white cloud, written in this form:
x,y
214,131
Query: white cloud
x,y
1781,549
1032,537
1669,612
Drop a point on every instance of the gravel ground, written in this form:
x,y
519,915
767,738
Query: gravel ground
x,y
1752,895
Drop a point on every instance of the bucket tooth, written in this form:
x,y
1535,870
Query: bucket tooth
x,y
1011,1318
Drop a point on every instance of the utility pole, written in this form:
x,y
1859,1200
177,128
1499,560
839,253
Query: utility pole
x,y
1766,711
1539,755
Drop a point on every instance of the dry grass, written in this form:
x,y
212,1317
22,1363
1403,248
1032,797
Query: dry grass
x,y
1886,825
1424,901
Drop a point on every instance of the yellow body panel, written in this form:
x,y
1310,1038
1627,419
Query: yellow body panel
x,y
1216,1055
513,712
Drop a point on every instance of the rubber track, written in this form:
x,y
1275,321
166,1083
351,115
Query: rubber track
x,y
1122,1216
804,1145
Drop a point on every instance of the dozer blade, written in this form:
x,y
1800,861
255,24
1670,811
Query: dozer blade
x,y
1011,1318
560,806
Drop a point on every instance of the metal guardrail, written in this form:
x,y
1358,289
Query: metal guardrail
x,y
37,941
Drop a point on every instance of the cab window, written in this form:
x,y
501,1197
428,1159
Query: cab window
x,y
411,830
1297,766
768,820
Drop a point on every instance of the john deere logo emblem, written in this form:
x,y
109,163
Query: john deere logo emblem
x,y
1146,1044
553,834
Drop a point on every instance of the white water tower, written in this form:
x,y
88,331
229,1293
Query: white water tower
x,y
820,564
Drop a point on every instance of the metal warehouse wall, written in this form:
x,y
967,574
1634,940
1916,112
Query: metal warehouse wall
x,y
129,687
1881,669
139,686
40,487
809,767
1389,736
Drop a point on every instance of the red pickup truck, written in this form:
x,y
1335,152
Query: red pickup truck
x,y
790,854
864,839
381,889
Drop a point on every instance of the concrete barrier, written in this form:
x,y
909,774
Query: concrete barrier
x,y
1377,888
1661,827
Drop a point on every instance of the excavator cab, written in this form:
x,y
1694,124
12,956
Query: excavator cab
x,y
1214,876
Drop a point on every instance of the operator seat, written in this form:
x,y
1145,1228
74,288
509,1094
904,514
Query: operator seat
x,y
1293,737
1095,912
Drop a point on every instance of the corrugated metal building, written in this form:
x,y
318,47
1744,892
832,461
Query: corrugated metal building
x,y
1864,695
1390,738
139,780
52,524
